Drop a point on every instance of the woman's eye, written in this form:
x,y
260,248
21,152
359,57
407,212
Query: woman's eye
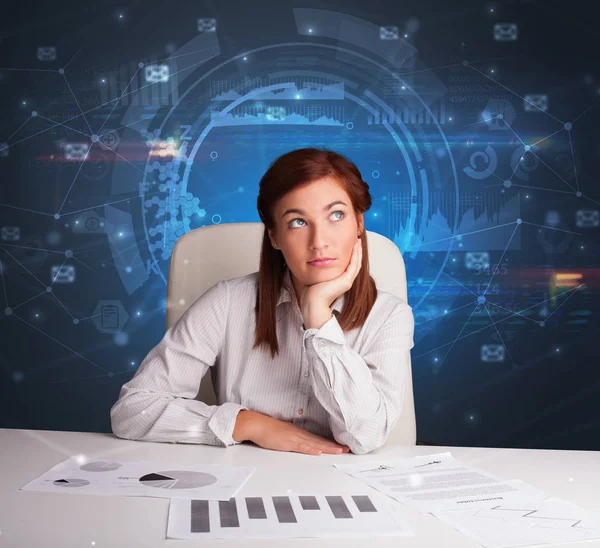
x,y
302,220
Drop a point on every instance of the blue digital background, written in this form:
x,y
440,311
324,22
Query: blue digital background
x,y
126,125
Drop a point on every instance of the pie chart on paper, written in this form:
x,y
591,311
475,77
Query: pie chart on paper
x,y
179,479
70,482
100,466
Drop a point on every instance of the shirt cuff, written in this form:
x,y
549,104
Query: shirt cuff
x,y
223,420
330,331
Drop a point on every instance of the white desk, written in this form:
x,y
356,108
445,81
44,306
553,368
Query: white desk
x,y
45,520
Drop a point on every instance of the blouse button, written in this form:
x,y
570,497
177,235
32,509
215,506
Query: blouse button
x,y
320,344
306,374
300,411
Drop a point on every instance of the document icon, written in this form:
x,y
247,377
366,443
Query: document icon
x,y
388,33
157,73
492,353
10,233
587,218
109,317
76,151
46,53
475,260
207,25
64,274
505,32
535,103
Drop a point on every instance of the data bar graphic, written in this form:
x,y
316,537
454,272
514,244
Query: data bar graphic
x,y
338,507
284,510
200,522
228,513
285,515
256,508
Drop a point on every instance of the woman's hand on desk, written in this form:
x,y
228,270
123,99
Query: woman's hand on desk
x,y
280,435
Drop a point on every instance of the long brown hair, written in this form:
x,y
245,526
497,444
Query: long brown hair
x,y
285,173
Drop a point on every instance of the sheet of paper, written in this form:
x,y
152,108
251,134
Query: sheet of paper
x,y
439,482
142,479
287,516
548,521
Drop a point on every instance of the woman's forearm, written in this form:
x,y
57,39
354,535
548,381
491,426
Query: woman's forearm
x,y
245,425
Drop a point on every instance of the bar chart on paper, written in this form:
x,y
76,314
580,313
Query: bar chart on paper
x,y
287,516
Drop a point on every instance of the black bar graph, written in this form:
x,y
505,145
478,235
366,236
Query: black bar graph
x,y
256,508
228,513
309,503
267,512
338,507
284,510
363,503
200,521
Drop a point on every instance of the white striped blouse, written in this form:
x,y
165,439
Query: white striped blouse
x,y
348,387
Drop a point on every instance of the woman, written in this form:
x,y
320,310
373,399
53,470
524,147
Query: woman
x,y
338,382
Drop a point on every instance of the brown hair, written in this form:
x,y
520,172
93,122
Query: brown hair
x,y
285,173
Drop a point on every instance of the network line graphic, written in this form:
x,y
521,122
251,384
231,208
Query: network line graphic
x,y
165,204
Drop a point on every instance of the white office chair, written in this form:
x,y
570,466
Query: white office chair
x,y
195,267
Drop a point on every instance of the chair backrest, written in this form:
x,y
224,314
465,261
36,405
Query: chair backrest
x,y
194,268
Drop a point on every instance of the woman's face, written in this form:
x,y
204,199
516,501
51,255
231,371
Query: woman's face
x,y
318,226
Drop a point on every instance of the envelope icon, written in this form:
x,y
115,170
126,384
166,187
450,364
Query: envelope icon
x,y
504,32
535,103
389,33
46,53
76,151
64,274
477,259
157,73
587,218
492,353
207,25
10,233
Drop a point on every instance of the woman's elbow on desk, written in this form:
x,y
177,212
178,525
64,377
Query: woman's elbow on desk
x,y
121,423
365,435
358,445
127,416
363,449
